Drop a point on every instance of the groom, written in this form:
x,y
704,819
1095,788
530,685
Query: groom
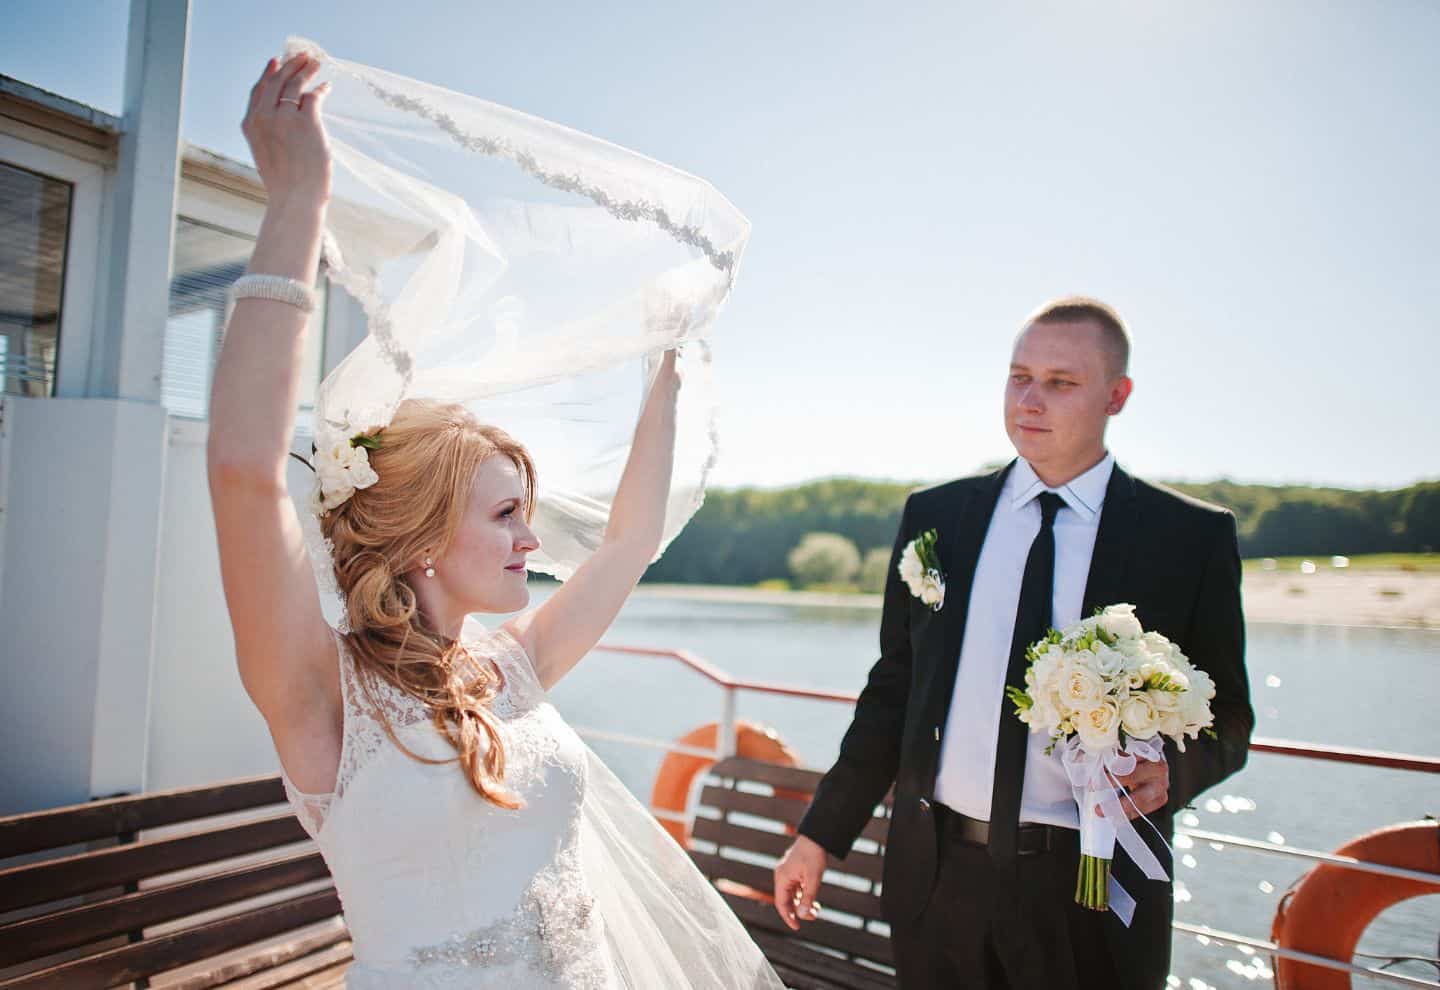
x,y
983,847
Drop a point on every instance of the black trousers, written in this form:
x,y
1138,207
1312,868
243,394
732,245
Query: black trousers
x,y
1006,928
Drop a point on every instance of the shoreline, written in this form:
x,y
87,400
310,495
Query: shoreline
x,y
1376,599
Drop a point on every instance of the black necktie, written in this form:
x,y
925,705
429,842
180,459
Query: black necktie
x,y
1032,621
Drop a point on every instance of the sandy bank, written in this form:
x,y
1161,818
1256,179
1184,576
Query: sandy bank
x,y
1329,597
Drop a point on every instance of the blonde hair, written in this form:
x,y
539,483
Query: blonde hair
x,y
1114,335
426,461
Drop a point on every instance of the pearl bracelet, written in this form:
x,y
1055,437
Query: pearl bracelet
x,y
277,288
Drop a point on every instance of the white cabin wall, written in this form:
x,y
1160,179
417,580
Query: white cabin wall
x,y
83,481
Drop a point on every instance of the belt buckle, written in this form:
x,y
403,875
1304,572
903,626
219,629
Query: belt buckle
x,y
1042,840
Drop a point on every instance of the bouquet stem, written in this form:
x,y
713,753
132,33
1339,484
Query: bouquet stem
x,y
1092,887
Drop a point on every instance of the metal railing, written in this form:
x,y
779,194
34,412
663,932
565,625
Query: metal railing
x,y
731,688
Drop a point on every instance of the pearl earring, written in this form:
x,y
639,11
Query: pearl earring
x,y
429,567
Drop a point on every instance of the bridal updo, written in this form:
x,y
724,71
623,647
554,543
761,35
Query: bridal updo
x,y
426,463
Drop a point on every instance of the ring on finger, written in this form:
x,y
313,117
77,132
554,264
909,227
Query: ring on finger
x,y
289,99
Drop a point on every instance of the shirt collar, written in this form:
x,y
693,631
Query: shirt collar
x,y
1085,495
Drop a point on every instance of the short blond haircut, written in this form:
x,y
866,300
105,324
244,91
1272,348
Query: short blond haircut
x,y
1081,309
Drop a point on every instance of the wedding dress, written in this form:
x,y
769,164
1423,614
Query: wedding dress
x,y
578,889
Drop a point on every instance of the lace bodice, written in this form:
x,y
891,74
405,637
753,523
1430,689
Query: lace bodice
x,y
441,888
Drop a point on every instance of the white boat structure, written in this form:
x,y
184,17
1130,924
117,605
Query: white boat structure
x,y
117,240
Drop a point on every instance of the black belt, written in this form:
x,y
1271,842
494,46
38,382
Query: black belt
x,y
1032,838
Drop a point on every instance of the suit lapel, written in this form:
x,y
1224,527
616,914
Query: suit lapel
x,y
1114,545
963,543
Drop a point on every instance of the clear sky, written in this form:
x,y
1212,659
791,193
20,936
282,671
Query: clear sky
x,y
1253,185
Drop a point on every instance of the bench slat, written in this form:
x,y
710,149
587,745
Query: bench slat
x,y
761,772
319,951
323,971
786,810
33,938
761,878
782,777
166,952
853,941
58,827
821,970
723,833
38,883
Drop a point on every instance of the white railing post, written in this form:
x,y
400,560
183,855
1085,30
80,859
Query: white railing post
x,y
726,743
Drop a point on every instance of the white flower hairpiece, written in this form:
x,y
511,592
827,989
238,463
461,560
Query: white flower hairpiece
x,y
342,466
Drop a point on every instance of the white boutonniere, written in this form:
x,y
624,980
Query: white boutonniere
x,y
920,569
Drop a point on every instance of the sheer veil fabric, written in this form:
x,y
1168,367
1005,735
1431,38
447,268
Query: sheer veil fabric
x,y
537,274
529,271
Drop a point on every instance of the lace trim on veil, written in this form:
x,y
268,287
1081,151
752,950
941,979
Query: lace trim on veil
x,y
621,209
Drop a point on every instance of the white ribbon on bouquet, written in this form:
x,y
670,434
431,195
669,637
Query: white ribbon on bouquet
x,y
1094,780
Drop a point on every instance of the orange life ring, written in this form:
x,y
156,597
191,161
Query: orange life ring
x,y
678,771
1327,912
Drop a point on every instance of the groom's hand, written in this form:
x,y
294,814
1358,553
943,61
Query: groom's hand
x,y
797,878
1147,789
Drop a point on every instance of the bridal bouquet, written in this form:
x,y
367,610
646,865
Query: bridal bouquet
x,y
1106,691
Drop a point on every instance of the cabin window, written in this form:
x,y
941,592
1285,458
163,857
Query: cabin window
x,y
207,259
34,230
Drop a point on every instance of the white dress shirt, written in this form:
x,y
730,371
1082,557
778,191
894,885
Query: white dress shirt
x,y
967,753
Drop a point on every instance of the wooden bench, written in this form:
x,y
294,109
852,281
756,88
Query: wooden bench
x,y
745,820
219,886
193,888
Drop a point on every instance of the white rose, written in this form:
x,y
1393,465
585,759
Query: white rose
x,y
1138,716
341,454
331,497
332,463
1164,701
1156,643
1043,713
1171,724
911,571
1047,666
1195,703
362,475
1119,621
1108,662
932,590
1080,687
1099,727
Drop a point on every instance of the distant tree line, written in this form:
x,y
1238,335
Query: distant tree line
x,y
840,531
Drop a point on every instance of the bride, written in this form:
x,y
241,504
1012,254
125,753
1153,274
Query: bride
x,y
473,839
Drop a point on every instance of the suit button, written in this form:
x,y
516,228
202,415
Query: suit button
x,y
924,804
937,733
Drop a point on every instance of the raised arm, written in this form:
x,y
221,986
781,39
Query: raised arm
x,y
286,655
571,622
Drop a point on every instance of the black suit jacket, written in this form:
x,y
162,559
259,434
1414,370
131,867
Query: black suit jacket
x,y
1175,558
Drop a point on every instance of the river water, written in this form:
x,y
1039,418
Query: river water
x,y
1372,688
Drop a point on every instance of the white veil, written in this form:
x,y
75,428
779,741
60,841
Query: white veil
x,y
536,274
666,926
533,273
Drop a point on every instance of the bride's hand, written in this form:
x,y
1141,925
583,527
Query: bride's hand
x,y
286,134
